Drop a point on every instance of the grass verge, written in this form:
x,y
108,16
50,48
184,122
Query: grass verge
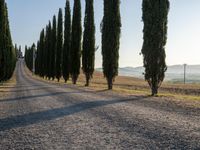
x,y
5,87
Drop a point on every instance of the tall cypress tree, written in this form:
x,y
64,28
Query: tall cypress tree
x,y
54,43
37,59
29,56
25,55
46,62
76,41
88,53
59,45
17,51
49,51
33,48
155,14
67,39
2,37
41,53
8,49
7,52
111,28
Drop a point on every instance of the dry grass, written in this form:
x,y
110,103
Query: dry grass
x,y
5,87
135,86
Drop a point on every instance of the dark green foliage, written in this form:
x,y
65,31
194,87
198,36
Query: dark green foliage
x,y
46,62
2,38
26,55
76,41
88,53
17,51
37,59
155,14
53,47
40,55
59,45
67,39
29,56
111,28
49,50
7,51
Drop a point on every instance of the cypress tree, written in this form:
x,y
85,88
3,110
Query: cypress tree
x,y
16,51
53,49
88,53
46,62
29,56
33,47
41,54
49,51
25,55
111,28
29,59
155,14
76,41
7,52
37,59
2,37
8,45
59,45
67,39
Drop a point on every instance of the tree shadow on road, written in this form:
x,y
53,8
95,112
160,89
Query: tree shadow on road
x,y
37,96
27,89
47,115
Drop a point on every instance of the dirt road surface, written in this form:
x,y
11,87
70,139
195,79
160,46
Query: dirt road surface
x,y
41,115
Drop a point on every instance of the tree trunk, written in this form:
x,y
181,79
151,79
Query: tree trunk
x,y
110,83
154,91
87,80
74,81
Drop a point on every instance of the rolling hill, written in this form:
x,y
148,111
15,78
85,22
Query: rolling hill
x,y
174,73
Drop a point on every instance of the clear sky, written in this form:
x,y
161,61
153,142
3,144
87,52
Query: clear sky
x,y
28,17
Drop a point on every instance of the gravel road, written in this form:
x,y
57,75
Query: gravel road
x,y
40,115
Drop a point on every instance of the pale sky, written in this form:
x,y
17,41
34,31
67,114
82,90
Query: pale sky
x,y
28,17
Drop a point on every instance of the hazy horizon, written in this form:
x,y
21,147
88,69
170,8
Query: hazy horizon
x,y
27,18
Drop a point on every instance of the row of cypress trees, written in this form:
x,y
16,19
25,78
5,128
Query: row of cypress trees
x,y
60,58
29,56
7,50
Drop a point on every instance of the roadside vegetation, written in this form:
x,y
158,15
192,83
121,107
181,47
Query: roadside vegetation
x,y
7,86
8,54
188,93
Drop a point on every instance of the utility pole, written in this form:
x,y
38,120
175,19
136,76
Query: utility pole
x,y
184,72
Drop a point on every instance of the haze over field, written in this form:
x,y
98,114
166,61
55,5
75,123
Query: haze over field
x,y
173,74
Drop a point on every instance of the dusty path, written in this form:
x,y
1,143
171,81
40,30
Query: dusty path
x,y
39,115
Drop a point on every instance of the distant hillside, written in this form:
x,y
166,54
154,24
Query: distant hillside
x,y
173,74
